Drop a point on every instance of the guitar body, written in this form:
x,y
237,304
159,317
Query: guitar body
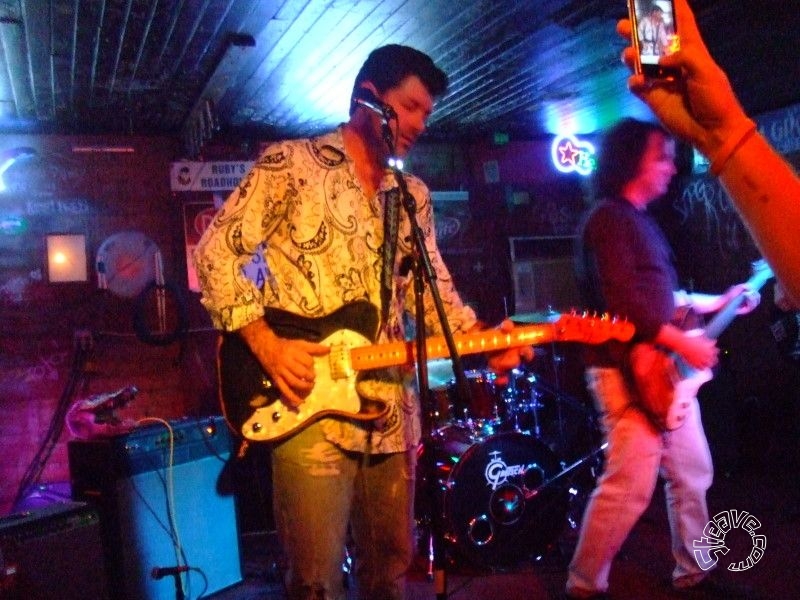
x,y
664,389
253,408
252,405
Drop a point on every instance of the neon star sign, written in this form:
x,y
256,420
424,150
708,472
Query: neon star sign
x,y
571,155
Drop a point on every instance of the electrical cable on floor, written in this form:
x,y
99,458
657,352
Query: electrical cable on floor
x,y
57,422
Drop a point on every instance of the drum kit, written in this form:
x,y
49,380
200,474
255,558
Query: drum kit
x,y
512,466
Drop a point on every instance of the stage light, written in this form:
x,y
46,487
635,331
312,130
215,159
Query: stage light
x,y
66,258
9,157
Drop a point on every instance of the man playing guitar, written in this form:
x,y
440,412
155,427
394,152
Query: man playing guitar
x,y
625,266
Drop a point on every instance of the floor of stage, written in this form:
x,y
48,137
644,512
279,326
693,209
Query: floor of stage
x,y
769,492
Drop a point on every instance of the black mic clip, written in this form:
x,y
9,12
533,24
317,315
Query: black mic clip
x,y
366,98
161,572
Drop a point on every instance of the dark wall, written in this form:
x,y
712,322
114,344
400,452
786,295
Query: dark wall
x,y
752,407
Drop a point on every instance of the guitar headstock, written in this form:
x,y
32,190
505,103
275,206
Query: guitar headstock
x,y
761,272
592,329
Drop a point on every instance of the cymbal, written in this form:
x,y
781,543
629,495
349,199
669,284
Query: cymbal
x,y
542,316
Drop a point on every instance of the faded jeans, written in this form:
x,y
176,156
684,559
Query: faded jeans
x,y
636,454
318,491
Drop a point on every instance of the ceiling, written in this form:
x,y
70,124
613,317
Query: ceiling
x,y
270,68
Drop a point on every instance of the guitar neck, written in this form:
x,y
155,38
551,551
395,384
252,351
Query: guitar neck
x,y
400,353
725,316
568,328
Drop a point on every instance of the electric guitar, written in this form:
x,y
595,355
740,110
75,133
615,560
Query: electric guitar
x,y
251,403
664,383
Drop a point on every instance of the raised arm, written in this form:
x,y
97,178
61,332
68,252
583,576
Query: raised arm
x,y
703,110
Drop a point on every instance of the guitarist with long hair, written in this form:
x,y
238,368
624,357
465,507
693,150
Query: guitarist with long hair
x,y
625,266
325,212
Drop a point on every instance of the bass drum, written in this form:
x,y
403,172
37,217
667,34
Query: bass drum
x,y
503,501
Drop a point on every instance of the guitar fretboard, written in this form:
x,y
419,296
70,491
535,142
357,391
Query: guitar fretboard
x,y
399,353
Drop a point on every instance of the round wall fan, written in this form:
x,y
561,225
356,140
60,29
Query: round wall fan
x,y
127,262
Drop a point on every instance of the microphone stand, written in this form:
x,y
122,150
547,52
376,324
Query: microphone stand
x,y
175,572
178,587
424,274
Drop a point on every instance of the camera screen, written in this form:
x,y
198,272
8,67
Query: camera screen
x,y
655,28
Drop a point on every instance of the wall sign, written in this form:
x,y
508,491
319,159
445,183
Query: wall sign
x,y
188,176
571,155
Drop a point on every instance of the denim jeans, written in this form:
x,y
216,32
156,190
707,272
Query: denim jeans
x,y
637,453
323,497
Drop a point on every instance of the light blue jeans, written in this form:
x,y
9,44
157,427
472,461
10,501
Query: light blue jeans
x,y
320,494
636,454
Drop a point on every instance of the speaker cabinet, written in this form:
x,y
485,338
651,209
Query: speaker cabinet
x,y
52,552
544,274
164,502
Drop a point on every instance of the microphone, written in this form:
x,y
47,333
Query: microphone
x,y
161,572
364,97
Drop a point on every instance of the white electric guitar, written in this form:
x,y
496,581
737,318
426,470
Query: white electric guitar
x,y
251,403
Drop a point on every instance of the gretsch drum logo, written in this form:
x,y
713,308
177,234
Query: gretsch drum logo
x,y
497,472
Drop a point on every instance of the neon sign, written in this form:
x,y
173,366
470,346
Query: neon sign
x,y
571,155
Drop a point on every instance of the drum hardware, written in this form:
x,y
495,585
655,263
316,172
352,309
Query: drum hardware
x,y
480,531
525,400
508,467
548,315
529,494
483,412
440,373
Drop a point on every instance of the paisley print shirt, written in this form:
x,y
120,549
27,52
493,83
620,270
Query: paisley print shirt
x,y
321,237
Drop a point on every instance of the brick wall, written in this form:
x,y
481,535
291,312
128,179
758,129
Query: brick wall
x,y
60,342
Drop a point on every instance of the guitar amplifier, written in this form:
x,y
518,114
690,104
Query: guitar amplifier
x,y
165,507
52,552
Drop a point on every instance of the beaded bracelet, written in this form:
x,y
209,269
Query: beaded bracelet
x,y
731,145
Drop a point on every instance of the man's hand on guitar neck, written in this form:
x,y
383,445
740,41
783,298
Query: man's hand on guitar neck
x,y
751,298
708,303
503,361
289,363
698,350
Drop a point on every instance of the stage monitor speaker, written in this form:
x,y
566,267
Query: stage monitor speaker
x,y
163,507
52,552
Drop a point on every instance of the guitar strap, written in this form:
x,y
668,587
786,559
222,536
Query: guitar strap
x,y
391,218
359,316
